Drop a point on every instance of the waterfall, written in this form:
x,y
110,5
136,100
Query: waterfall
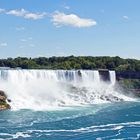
x,y
112,76
51,89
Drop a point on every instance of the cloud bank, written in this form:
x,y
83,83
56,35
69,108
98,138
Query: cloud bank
x,y
58,18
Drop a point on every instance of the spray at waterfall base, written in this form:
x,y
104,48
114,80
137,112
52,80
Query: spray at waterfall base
x,y
55,89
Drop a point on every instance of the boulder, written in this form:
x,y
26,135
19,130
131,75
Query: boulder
x,y
3,101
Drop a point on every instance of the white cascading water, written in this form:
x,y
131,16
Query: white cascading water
x,y
50,89
112,76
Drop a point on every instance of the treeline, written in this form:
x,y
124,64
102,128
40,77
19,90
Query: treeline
x,y
72,62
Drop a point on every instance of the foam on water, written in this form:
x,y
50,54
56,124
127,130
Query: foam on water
x,y
52,89
115,121
118,128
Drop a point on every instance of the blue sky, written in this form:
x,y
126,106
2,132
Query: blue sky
x,y
35,28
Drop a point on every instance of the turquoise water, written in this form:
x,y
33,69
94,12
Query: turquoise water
x,y
101,122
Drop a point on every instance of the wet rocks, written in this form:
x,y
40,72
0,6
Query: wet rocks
x,y
3,101
111,98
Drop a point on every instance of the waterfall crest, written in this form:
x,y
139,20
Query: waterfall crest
x,y
47,89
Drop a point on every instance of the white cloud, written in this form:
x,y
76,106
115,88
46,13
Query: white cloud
x,y
21,47
26,46
30,38
67,7
2,10
58,18
19,13
20,28
31,45
125,17
61,19
23,40
3,44
23,13
34,16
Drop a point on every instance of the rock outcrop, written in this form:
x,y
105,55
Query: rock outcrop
x,y
3,101
128,75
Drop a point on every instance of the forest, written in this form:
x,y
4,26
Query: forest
x,y
73,62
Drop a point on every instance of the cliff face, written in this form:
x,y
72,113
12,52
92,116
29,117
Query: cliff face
x,y
130,85
128,75
3,104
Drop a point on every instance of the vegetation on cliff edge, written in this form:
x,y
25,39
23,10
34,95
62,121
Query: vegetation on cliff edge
x,y
72,62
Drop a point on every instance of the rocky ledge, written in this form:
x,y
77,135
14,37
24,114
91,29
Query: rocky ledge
x,y
3,101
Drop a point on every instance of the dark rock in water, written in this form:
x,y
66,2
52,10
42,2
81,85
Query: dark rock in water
x,y
9,100
111,98
3,101
79,73
2,93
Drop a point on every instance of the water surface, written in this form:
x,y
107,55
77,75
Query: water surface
x,y
101,122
